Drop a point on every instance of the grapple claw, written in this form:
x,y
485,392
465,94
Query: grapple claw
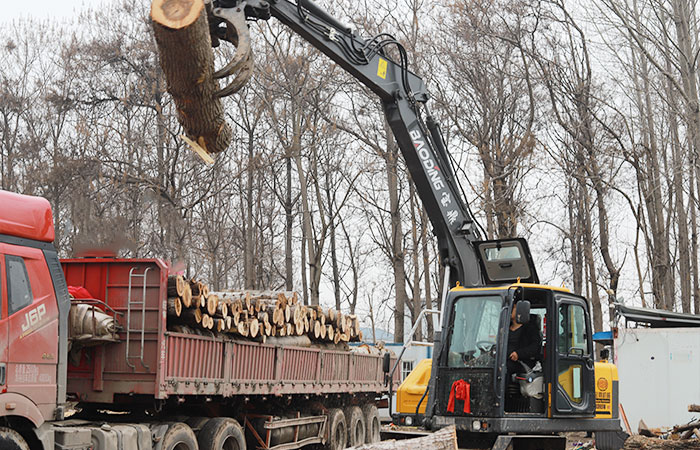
x,y
235,31
243,74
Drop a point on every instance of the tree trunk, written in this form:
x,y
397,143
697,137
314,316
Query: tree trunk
x,y
288,257
334,255
181,31
397,253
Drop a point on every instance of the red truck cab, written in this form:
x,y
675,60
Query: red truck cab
x,y
33,321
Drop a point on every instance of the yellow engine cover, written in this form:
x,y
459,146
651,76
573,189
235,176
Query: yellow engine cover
x,y
606,390
412,389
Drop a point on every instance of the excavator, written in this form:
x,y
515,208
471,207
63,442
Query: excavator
x,y
495,286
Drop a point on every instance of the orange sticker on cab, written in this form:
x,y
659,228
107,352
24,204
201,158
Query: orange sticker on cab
x,y
381,68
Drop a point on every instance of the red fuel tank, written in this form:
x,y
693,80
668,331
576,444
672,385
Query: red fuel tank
x,y
26,216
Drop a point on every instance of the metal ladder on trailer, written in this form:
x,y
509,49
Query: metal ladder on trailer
x,y
131,302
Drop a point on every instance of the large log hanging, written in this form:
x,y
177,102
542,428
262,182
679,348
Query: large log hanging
x,y
181,30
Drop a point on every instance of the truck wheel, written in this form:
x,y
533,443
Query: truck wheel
x,y
337,430
12,440
197,423
221,433
356,425
372,425
179,437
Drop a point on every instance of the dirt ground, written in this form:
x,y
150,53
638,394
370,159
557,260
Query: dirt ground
x,y
579,441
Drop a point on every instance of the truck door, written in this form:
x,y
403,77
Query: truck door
x,y
573,387
4,354
32,327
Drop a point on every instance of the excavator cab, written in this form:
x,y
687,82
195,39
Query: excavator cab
x,y
481,389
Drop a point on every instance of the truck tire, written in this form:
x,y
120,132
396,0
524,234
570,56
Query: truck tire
x,y
179,437
12,440
356,425
337,430
372,425
197,423
221,433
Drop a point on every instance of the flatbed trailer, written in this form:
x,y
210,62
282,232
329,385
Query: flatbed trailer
x,y
170,374
152,363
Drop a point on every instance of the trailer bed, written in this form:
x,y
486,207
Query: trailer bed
x,y
157,363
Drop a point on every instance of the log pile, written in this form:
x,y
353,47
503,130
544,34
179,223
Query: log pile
x,y
255,314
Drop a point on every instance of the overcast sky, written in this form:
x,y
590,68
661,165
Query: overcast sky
x,y
44,9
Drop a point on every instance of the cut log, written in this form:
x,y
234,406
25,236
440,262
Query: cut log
x,y
212,304
221,308
693,408
176,286
242,328
174,306
443,439
688,426
187,296
182,35
221,325
290,341
329,332
253,327
191,316
314,329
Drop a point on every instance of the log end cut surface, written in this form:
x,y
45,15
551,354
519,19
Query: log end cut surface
x,y
176,14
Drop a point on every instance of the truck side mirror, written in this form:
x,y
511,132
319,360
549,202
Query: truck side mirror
x,y
386,362
522,311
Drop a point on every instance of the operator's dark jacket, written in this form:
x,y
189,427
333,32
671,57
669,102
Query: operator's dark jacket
x,y
528,346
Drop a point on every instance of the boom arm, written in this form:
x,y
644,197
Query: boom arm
x,y
402,94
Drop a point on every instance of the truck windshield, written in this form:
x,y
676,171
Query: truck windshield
x,y
475,332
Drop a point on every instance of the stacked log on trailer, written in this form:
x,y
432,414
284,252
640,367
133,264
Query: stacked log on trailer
x,y
255,314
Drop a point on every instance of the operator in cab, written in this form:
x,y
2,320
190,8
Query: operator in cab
x,y
524,343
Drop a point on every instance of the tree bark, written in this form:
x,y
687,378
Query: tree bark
x,y
182,35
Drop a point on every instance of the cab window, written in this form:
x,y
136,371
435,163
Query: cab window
x,y
572,329
475,331
19,291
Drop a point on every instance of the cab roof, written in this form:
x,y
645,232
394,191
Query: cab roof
x,y
26,216
510,286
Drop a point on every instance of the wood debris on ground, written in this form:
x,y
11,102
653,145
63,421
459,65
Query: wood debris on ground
x,y
683,436
443,439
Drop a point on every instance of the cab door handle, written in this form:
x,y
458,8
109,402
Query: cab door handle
x,y
2,373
